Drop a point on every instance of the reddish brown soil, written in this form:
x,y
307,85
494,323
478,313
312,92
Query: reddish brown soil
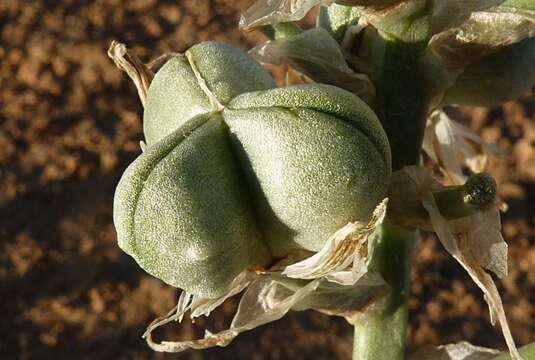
x,y
69,125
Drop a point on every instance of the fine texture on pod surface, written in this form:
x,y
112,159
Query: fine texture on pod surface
x,y
497,78
175,95
274,171
337,18
315,158
180,210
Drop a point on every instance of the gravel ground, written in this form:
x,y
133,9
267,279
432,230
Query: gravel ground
x,y
70,123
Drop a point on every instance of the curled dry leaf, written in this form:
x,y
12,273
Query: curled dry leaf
x,y
464,242
317,55
483,33
335,281
453,146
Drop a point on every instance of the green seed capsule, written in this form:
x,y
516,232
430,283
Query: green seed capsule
x,y
175,95
182,212
315,158
273,171
497,78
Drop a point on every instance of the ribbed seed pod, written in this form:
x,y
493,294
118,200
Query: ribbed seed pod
x,y
235,189
182,212
175,95
315,158
497,78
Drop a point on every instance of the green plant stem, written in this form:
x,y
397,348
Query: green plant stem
x,y
380,334
402,107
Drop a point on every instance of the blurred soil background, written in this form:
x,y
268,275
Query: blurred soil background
x,y
70,122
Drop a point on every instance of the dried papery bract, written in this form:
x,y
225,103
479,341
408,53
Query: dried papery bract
x,y
465,244
347,247
453,147
265,12
341,286
318,56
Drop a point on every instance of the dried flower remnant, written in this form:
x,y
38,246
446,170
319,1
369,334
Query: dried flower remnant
x,y
346,248
341,286
140,73
475,242
453,147
338,283
317,55
265,12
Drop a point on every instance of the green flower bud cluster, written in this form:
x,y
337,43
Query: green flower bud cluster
x,y
238,173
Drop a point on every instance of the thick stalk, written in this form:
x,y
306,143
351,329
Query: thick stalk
x,y
402,107
380,334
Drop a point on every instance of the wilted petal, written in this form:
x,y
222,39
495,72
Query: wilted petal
x,y
197,306
265,12
346,247
484,240
349,301
462,243
317,55
460,351
270,295
453,146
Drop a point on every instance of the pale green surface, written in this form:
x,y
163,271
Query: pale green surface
x,y
380,331
199,207
175,96
182,212
336,19
310,172
497,78
326,99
